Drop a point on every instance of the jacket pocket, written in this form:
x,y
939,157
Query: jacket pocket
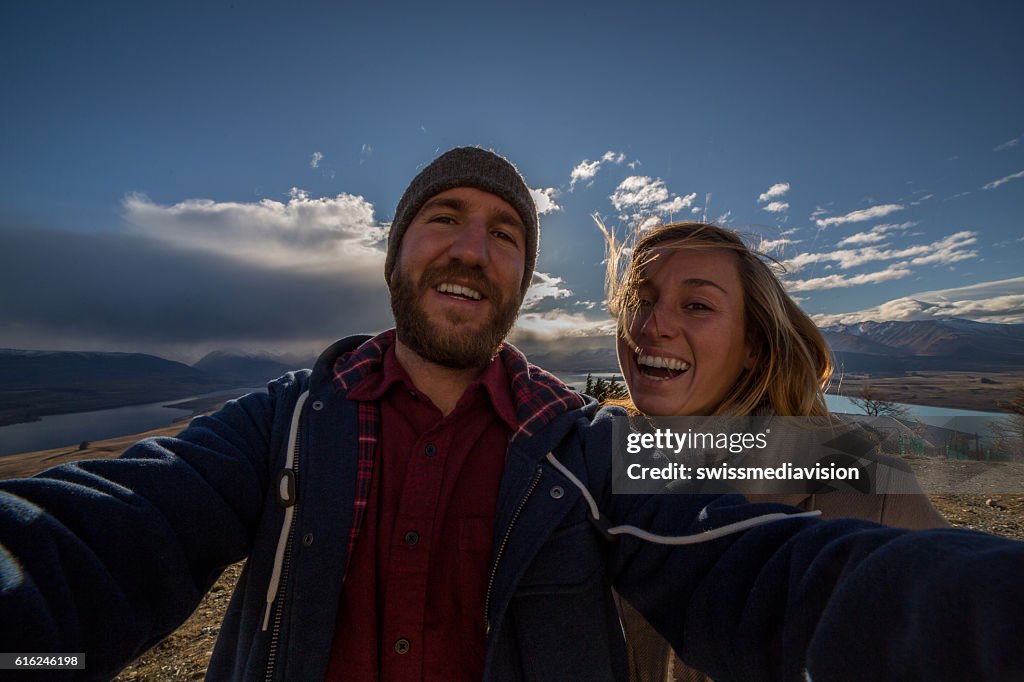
x,y
570,561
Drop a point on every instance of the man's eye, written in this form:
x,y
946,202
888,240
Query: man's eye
x,y
444,219
501,234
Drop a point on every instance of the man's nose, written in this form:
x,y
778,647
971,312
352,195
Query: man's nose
x,y
470,246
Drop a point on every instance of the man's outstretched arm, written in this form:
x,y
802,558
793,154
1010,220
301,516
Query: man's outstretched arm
x,y
109,556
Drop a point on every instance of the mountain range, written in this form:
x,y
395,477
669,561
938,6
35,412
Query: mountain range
x,y
37,383
949,344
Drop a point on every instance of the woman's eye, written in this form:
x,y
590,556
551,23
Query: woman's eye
x,y
696,306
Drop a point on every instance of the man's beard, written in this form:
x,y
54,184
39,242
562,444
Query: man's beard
x,y
455,349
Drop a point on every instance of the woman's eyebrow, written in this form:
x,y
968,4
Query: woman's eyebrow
x,y
698,282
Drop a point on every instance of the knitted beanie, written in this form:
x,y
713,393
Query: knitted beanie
x,y
467,167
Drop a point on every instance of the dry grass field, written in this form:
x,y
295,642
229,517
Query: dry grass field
x,y
984,391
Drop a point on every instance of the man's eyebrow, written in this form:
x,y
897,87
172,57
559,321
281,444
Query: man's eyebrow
x,y
508,218
499,215
445,202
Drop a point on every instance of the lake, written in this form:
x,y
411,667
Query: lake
x,y
58,430
969,421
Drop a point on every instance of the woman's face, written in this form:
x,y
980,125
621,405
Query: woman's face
x,y
687,341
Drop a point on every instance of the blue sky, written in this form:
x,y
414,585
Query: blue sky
x,y
179,177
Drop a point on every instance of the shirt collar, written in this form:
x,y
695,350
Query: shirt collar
x,y
529,399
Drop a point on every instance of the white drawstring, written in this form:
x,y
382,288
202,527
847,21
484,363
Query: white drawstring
x,y
289,512
704,536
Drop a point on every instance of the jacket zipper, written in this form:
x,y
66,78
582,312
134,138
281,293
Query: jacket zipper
x,y
504,542
285,569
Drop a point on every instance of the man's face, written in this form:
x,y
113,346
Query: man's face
x,y
455,287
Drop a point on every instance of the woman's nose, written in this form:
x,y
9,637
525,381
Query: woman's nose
x,y
660,323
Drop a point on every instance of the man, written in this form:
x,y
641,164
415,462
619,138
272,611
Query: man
x,y
425,504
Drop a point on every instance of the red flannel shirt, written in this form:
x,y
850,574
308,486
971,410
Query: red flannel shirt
x,y
537,398
413,603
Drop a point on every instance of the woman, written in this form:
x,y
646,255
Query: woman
x,y
706,328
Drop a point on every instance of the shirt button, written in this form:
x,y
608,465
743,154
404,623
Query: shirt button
x,y
402,646
430,450
411,538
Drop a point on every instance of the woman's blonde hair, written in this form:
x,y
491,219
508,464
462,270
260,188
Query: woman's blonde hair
x,y
792,363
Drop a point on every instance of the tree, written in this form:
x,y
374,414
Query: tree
x,y
871,403
605,389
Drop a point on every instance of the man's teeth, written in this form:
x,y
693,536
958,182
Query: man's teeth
x,y
459,290
658,361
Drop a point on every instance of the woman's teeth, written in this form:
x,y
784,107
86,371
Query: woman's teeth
x,y
660,368
658,361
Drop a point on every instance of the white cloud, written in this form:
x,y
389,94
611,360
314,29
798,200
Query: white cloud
x,y
776,207
303,232
776,191
366,150
766,246
544,287
648,223
871,237
561,323
894,271
584,171
876,234
947,250
999,301
860,216
696,209
639,191
677,204
314,161
950,249
648,199
545,200
1006,145
1003,181
724,219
